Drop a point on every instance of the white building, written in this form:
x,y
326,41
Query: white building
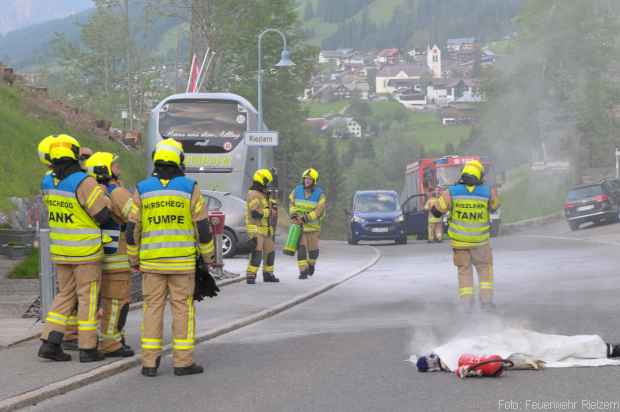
x,y
402,76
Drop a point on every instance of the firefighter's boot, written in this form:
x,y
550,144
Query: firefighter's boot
x,y
91,355
193,369
70,345
303,274
270,277
151,372
52,348
124,351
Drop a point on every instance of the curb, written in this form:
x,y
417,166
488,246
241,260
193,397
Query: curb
x,y
78,381
132,307
523,224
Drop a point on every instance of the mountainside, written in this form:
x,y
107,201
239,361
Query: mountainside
x,y
17,14
30,46
404,23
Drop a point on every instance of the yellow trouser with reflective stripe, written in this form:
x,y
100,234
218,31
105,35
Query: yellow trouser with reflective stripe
x,y
180,289
482,259
78,285
115,294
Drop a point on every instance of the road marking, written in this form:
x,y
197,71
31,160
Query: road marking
x,y
600,242
81,380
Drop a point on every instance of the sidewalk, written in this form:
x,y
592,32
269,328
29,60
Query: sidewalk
x,y
22,371
16,296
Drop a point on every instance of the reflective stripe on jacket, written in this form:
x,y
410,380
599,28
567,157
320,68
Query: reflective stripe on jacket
x,y
300,205
73,233
168,236
469,216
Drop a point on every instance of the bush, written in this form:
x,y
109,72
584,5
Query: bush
x,y
27,268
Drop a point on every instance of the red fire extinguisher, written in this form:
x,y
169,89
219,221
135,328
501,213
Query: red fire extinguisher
x,y
490,365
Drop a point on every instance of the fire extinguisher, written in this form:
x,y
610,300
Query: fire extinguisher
x,y
491,365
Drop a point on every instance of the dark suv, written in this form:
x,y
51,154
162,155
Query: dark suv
x,y
596,203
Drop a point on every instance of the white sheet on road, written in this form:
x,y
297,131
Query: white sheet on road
x,y
558,351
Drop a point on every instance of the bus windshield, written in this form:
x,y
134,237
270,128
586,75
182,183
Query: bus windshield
x,y
204,126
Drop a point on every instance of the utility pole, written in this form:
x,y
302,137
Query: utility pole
x,y
129,75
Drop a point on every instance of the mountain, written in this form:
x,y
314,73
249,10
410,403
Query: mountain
x,y
17,14
368,24
30,46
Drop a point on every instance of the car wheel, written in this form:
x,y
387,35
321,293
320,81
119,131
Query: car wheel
x,y
573,226
229,244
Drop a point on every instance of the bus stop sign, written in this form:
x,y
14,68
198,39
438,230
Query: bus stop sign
x,y
267,138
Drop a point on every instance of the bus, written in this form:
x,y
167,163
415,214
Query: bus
x,y
438,174
211,127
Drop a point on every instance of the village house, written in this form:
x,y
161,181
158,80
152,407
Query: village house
x,y
337,57
392,79
388,57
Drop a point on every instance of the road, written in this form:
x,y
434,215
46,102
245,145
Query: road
x,y
347,349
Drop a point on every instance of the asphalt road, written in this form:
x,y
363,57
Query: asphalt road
x,y
347,350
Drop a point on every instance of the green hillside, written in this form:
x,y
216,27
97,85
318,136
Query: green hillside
x,y
21,131
404,23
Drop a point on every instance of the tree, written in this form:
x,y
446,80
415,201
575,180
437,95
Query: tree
x,y
309,11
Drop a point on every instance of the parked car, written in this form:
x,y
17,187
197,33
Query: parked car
x,y
235,238
376,215
596,203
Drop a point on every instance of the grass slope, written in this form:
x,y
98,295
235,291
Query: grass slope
x,y
379,12
20,133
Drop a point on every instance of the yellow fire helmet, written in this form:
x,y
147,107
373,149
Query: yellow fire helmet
x,y
169,151
474,168
312,174
263,177
64,146
44,149
99,165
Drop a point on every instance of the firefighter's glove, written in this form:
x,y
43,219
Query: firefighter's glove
x,y
435,212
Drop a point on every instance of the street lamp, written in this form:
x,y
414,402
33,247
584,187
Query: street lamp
x,y
285,61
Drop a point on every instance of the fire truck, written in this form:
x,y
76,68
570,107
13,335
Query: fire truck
x,y
438,174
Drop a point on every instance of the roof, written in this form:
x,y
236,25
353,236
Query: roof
x,y
388,52
460,41
411,70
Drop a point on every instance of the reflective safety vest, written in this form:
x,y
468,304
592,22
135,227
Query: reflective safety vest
x,y
469,224
73,233
167,227
305,204
113,261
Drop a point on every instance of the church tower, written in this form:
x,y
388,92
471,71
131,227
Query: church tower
x,y
433,60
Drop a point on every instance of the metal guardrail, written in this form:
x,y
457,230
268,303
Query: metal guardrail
x,y
47,275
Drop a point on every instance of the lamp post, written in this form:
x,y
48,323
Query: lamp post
x,y
285,61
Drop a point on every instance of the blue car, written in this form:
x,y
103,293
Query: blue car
x,y
376,215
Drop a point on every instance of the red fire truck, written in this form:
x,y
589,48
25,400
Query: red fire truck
x,y
438,173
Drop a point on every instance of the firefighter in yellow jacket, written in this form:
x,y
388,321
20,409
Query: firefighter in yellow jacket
x,y
169,221
307,203
258,220
77,206
435,226
470,203
116,274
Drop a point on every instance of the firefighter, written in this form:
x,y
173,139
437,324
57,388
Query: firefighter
x,y
77,206
470,203
307,203
169,219
259,210
116,274
70,339
435,226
